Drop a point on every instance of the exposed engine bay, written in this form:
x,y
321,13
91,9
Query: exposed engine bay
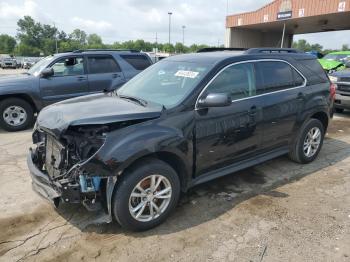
x,y
63,161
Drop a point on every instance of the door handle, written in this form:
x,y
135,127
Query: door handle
x,y
81,78
301,96
116,75
252,111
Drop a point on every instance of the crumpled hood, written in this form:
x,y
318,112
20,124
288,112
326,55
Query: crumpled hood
x,y
331,64
93,110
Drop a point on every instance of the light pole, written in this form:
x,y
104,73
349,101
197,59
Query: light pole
x,y
183,35
169,13
54,25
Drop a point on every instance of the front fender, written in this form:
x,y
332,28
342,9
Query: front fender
x,y
27,89
123,147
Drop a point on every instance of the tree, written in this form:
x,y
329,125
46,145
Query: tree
x,y
168,48
35,36
79,36
29,32
180,48
27,50
302,45
316,47
95,41
7,44
345,47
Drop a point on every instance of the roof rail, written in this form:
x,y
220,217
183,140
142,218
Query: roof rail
x,y
216,49
273,50
115,50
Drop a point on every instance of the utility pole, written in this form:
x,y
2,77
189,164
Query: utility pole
x,y
183,35
169,13
54,25
284,31
156,49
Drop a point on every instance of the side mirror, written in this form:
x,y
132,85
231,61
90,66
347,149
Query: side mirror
x,y
47,72
215,100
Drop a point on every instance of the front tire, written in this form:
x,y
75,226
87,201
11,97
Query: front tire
x,y
308,143
15,114
146,195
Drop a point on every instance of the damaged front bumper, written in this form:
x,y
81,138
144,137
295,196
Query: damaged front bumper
x,y
54,191
41,182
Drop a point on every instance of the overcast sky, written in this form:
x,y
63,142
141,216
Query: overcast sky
x,y
121,20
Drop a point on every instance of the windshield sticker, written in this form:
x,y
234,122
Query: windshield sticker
x,y
188,74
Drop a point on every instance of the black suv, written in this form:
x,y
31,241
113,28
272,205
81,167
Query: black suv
x,y
183,121
63,76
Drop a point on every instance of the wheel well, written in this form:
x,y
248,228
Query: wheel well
x,y
172,160
322,117
25,97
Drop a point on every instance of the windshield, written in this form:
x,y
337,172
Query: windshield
x,y
36,69
166,82
336,57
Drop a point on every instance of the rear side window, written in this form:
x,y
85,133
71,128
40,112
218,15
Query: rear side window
x,y
139,62
314,71
276,76
102,64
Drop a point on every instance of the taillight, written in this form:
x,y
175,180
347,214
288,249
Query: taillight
x,y
332,90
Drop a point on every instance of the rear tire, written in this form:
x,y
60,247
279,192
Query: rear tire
x,y
15,114
127,197
339,110
304,149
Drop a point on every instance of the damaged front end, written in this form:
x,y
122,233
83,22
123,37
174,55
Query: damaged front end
x,y
57,166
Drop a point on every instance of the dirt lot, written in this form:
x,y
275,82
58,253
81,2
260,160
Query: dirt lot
x,y
292,212
11,71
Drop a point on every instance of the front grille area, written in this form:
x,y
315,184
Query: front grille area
x,y
344,88
344,79
54,157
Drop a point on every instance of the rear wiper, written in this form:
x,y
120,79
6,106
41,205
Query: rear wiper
x,y
135,99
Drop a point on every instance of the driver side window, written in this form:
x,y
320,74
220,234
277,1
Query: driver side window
x,y
69,66
237,80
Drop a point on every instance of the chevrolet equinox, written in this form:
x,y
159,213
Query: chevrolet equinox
x,y
183,121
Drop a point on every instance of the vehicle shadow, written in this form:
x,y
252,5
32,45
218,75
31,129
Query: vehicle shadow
x,y
212,199
345,114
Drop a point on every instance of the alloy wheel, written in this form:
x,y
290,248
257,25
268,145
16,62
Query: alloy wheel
x,y
312,142
150,198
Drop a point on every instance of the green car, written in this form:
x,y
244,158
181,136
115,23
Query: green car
x,y
335,61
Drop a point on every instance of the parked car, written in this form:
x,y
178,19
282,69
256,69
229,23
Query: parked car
x,y
183,121
19,62
8,62
315,53
335,61
64,76
342,98
28,63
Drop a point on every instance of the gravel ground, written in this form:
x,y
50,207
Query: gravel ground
x,y
9,71
277,211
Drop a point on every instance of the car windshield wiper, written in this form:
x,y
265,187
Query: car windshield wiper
x,y
135,99
25,73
